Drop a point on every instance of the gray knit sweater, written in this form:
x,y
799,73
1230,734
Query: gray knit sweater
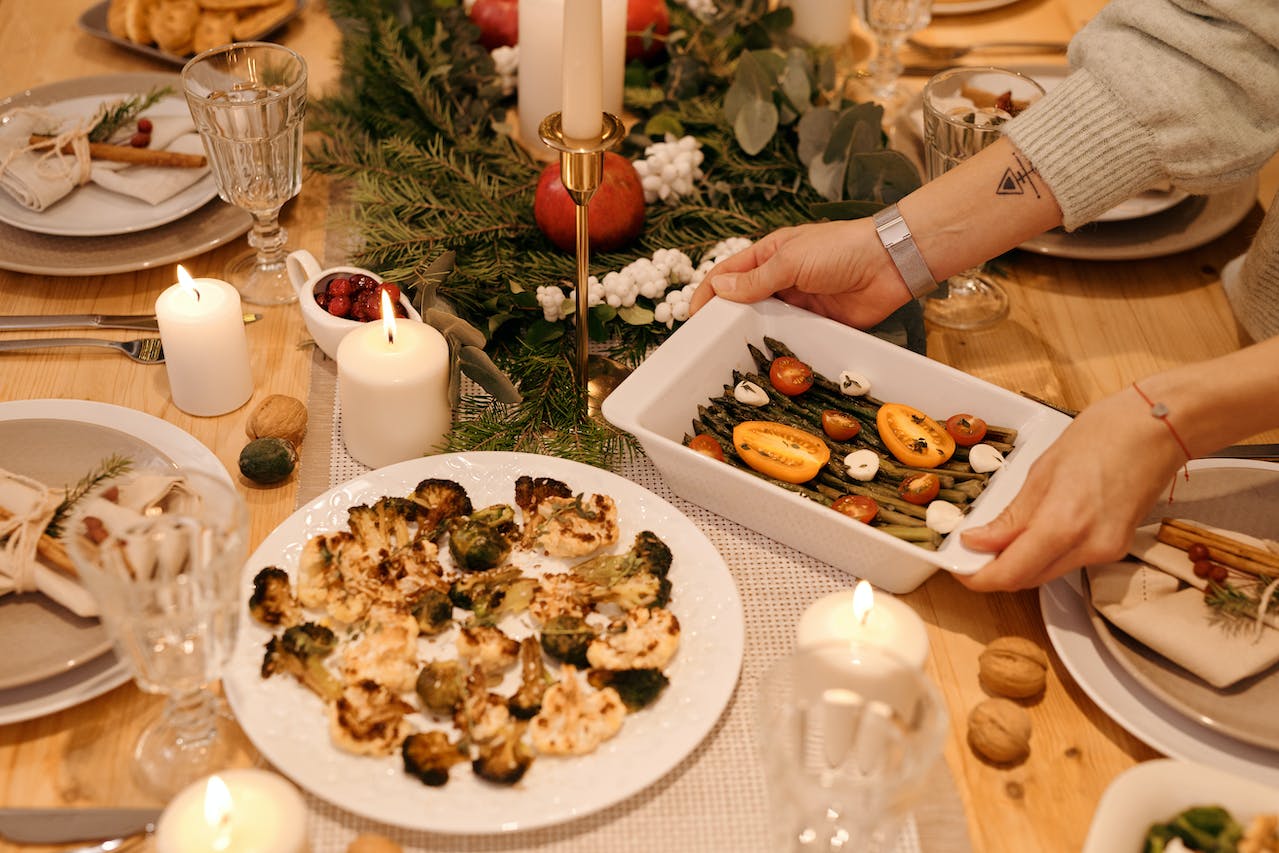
x,y
1167,91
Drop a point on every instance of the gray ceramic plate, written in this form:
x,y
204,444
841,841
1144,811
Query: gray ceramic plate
x,y
58,442
1242,497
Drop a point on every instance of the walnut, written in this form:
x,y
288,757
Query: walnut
x,y
1014,667
999,731
278,416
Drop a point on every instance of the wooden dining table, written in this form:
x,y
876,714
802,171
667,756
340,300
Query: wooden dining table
x,y
1078,330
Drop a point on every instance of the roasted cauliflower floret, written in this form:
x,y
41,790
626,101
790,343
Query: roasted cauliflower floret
x,y
329,573
573,721
646,638
561,594
385,650
483,715
383,527
272,602
368,719
487,649
571,527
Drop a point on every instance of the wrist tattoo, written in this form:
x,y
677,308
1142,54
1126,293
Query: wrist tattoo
x,y
1019,179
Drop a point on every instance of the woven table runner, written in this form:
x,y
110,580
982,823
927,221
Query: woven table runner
x,y
714,800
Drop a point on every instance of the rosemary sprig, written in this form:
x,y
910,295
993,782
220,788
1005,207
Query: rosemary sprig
x,y
112,116
112,466
1235,602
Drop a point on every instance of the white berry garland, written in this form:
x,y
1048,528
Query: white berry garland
x,y
668,278
670,169
506,61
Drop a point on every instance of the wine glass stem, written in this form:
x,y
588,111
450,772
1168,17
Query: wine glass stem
x,y
192,717
269,238
886,67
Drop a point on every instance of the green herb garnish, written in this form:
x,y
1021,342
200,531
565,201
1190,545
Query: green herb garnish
x,y
112,466
111,117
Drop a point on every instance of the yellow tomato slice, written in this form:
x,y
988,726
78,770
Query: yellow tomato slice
x,y
782,452
913,437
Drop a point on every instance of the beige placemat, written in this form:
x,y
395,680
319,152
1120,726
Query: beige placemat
x,y
715,799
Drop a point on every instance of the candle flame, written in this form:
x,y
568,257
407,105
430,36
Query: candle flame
x,y
188,285
863,601
388,316
217,811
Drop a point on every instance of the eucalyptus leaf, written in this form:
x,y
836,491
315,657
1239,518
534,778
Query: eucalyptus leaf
x,y
887,176
828,177
663,123
755,126
736,98
814,131
867,132
636,315
796,82
477,365
541,332
454,328
755,75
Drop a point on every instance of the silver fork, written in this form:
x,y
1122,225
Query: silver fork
x,y
142,350
947,51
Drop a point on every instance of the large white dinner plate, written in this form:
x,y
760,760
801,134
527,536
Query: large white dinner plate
x,y
90,210
1125,701
1156,791
288,725
58,442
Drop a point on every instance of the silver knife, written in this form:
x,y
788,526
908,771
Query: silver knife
x,y
66,825
146,322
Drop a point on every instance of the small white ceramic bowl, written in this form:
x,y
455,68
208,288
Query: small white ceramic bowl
x,y
308,279
658,402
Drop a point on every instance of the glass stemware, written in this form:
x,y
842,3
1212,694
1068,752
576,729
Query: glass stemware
x,y
891,22
964,111
849,734
248,101
161,551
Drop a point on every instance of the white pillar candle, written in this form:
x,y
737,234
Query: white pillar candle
x,y
541,77
393,387
206,352
860,616
824,23
236,811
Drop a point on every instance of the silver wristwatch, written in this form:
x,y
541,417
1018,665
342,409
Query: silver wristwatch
x,y
895,236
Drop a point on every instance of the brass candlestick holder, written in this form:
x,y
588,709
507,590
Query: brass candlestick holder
x,y
581,170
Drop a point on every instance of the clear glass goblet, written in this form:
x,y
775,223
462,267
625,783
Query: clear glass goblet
x,y
161,550
891,22
248,101
849,735
964,111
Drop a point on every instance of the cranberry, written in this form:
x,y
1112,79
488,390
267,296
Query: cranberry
x,y
1198,551
340,306
144,125
392,289
322,299
1219,573
140,140
340,287
1203,568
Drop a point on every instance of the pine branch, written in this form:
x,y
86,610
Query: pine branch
x,y
112,466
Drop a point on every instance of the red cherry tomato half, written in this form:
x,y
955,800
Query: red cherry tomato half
x,y
790,375
857,507
919,488
706,445
839,425
967,430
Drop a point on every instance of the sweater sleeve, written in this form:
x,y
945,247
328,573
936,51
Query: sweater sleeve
x,y
1165,91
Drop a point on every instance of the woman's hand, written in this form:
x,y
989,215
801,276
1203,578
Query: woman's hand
x,y
837,269
1082,499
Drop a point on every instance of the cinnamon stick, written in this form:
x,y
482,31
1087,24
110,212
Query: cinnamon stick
x,y
1222,549
51,551
133,156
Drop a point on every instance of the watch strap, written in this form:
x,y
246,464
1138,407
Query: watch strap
x,y
895,235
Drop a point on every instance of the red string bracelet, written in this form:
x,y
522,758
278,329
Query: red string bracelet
x,y
1159,411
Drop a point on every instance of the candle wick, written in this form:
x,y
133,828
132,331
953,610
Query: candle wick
x,y
196,291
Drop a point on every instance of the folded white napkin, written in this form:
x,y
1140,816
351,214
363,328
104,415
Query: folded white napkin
x,y
38,179
28,506
1159,602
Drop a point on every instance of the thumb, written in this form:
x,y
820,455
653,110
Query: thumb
x,y
750,286
995,536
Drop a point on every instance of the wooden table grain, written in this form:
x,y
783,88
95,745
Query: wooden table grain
x,y
1078,330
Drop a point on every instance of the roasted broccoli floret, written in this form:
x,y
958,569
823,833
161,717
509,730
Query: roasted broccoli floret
x,y
384,526
493,594
637,578
429,755
636,687
441,685
272,602
504,759
534,679
482,539
566,638
441,500
300,651
433,611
